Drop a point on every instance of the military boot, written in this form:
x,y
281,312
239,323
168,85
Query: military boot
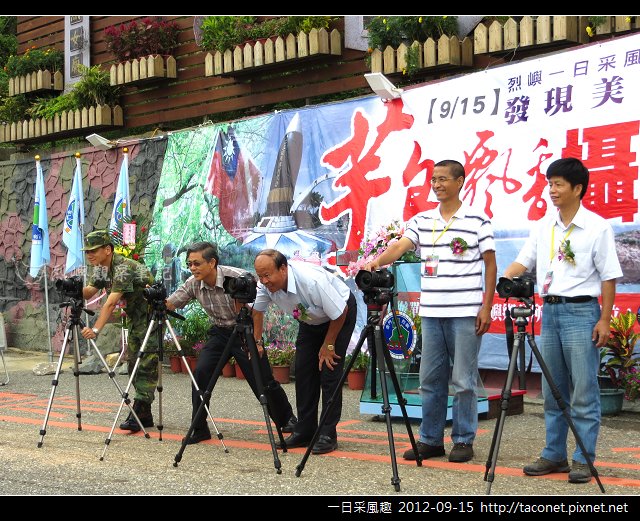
x,y
143,410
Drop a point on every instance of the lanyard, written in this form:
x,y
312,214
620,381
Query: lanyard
x,y
435,239
553,240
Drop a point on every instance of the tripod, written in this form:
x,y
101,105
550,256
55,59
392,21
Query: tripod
x,y
73,333
159,317
244,331
373,333
520,315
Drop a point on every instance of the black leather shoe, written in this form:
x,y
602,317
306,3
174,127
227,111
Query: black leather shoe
x,y
143,410
324,444
199,435
296,440
291,424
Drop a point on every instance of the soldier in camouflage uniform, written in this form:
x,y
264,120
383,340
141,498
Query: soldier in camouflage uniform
x,y
124,280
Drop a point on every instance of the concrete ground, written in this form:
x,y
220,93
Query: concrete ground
x,y
69,460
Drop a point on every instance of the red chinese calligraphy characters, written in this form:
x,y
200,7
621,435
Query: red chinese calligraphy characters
x,y
416,200
538,207
356,163
606,152
477,165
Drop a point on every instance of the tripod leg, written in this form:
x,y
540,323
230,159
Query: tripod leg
x,y
257,374
194,383
563,407
205,398
125,394
54,386
76,372
492,458
402,404
386,406
331,402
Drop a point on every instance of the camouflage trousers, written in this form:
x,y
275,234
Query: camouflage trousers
x,y
146,378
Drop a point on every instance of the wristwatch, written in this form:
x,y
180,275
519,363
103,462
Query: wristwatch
x,y
95,330
330,347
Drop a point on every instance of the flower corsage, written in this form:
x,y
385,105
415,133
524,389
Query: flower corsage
x,y
300,313
458,246
565,253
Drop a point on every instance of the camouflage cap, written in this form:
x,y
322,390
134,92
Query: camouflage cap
x,y
96,239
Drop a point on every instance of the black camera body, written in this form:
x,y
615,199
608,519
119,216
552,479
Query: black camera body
x,y
377,285
155,293
71,287
519,287
243,288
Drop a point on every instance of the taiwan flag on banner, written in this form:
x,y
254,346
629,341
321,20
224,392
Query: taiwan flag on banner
x,y
121,204
73,226
40,255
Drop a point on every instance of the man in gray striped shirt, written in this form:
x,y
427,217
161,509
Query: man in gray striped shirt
x,y
453,242
205,286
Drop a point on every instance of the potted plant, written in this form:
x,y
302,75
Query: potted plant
x,y
357,374
240,44
280,356
143,49
412,31
35,70
229,369
619,363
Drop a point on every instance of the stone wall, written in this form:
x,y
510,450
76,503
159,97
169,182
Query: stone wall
x,y
22,299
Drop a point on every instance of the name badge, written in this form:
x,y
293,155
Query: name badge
x,y
431,266
548,279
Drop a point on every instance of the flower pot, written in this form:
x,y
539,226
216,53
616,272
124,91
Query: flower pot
x,y
176,364
229,371
281,373
191,360
356,379
239,373
611,401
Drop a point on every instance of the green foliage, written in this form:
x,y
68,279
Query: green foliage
x,y
220,33
280,353
361,363
34,60
618,359
136,39
194,329
13,108
8,40
391,31
278,327
48,107
94,88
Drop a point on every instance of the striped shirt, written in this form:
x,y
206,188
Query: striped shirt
x,y
457,289
217,304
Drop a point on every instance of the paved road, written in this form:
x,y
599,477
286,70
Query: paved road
x,y
69,460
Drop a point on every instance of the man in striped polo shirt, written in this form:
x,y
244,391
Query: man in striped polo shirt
x,y
205,286
453,242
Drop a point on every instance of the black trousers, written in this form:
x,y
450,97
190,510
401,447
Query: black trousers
x,y
309,381
279,407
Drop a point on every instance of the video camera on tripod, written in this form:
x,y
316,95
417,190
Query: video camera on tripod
x,y
377,285
70,288
521,288
243,288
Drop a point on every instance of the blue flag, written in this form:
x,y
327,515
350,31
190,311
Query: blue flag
x,y
73,225
121,204
40,254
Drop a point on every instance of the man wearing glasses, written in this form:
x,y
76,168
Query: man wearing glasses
x,y
453,242
205,286
124,281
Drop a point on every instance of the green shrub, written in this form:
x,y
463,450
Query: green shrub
x,y
391,31
34,60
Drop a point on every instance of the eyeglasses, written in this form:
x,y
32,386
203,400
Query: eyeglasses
x,y
441,180
195,264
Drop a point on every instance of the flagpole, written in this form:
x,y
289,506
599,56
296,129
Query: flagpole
x,y
46,297
81,227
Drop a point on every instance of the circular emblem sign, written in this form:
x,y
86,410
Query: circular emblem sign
x,y
392,336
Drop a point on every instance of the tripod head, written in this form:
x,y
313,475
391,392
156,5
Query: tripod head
x,y
77,306
156,296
